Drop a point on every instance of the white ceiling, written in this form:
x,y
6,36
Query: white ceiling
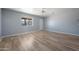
x,y
48,11
35,11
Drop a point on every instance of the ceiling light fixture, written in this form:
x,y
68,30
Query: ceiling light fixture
x,y
43,11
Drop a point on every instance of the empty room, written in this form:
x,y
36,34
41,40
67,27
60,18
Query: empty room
x,y
39,29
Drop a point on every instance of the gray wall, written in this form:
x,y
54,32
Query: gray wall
x,y
0,21
63,20
11,22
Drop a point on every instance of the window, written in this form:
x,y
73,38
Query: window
x,y
26,21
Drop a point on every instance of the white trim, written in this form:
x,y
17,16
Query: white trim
x,y
18,34
37,31
65,33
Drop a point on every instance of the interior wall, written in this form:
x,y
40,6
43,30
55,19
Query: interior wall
x,y
63,20
41,24
0,21
11,23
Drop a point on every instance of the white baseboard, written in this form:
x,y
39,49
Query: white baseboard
x,y
65,33
37,31
18,34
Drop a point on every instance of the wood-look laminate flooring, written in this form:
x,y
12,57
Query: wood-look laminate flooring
x,y
40,41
